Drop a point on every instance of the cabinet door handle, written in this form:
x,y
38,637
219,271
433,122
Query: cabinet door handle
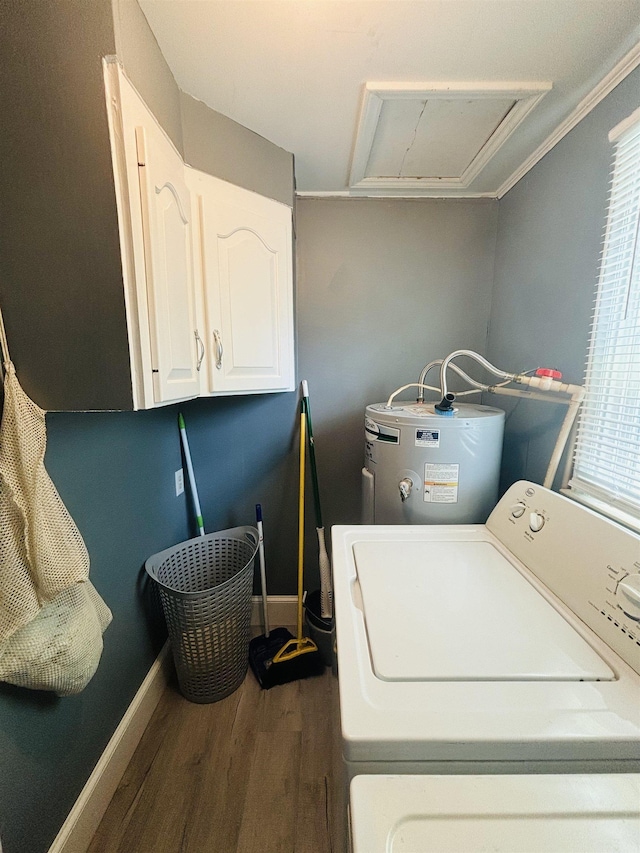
x,y
219,348
200,344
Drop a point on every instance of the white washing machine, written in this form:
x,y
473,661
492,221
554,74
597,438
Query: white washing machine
x,y
564,813
506,648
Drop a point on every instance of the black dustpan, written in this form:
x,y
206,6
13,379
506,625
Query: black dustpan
x,y
262,651
264,648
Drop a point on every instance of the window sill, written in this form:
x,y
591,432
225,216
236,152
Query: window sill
x,y
609,510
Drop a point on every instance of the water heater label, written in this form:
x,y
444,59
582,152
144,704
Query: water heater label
x,y
441,482
427,438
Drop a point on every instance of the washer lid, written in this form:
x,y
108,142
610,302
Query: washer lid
x,y
460,611
515,814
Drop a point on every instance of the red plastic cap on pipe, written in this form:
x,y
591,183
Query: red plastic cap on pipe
x,y
549,371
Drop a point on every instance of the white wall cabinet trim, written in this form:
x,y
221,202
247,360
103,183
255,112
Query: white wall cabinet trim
x,y
154,221
121,98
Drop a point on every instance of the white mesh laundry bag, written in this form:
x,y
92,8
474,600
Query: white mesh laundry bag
x,y
48,609
60,649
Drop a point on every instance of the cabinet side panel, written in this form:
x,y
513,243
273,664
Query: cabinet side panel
x,y
61,286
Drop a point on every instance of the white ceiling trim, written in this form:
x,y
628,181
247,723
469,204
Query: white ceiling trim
x,y
525,95
396,193
622,69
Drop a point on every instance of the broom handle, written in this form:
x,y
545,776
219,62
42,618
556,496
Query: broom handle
x,y
326,586
312,455
192,476
303,441
263,572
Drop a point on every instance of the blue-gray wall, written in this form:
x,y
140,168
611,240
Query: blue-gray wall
x,y
550,231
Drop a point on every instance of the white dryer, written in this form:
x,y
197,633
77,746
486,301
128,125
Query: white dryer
x,y
510,647
563,813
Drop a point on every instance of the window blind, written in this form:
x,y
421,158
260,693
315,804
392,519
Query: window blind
x,y
607,458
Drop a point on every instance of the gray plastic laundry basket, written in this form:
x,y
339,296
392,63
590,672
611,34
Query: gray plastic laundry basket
x,y
205,587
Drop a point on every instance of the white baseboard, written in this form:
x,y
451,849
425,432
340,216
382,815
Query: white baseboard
x,y
85,816
283,610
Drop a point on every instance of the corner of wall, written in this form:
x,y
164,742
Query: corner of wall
x,y
496,227
146,67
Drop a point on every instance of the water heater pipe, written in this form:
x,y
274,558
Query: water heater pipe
x,y
526,395
543,384
563,435
573,404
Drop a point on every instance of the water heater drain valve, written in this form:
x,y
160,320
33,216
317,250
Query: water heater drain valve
x,y
405,487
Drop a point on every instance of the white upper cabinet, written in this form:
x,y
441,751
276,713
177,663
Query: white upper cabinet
x,y
244,247
207,268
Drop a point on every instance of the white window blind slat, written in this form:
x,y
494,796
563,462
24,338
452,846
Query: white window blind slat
x,y
607,455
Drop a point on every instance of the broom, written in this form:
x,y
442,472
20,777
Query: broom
x,y
326,586
297,657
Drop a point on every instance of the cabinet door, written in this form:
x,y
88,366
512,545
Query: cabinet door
x,y
166,215
246,246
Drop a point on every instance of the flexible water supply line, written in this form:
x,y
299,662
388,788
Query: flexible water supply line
x,y
404,388
478,385
509,377
423,377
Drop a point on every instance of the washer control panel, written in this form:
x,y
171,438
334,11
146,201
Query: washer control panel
x,y
518,510
628,595
536,522
591,563
536,518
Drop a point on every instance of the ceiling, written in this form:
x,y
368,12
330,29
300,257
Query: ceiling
x,y
401,97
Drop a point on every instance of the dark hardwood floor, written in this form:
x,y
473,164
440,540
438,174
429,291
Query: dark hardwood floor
x,y
257,772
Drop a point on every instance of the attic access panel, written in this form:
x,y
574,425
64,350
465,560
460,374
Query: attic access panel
x,y
435,136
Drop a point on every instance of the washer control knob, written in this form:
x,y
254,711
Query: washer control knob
x,y
518,510
628,596
536,522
